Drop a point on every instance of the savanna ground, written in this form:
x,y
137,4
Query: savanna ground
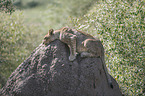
x,y
119,24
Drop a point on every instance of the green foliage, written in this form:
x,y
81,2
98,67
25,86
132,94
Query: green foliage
x,y
13,45
120,26
6,6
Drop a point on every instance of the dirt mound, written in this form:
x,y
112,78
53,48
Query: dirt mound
x,y
48,72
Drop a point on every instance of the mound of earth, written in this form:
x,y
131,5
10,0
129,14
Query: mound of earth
x,y
48,72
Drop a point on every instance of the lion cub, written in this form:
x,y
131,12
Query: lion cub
x,y
79,42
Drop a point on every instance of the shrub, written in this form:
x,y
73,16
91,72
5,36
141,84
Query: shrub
x,y
14,47
120,26
6,6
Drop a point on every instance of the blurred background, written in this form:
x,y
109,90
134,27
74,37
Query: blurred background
x,y
119,24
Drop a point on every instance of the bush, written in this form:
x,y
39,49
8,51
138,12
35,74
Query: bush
x,y
120,26
14,47
6,6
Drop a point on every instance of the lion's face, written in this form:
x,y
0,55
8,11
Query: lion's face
x,y
49,37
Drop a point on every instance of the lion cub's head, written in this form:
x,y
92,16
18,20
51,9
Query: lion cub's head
x,y
51,36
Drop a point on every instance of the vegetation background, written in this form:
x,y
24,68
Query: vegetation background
x,y
119,24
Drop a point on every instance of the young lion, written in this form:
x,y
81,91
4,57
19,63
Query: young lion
x,y
79,42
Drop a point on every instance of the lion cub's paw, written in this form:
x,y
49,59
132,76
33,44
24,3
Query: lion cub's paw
x,y
72,58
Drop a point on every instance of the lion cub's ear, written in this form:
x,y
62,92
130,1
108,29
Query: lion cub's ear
x,y
50,32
